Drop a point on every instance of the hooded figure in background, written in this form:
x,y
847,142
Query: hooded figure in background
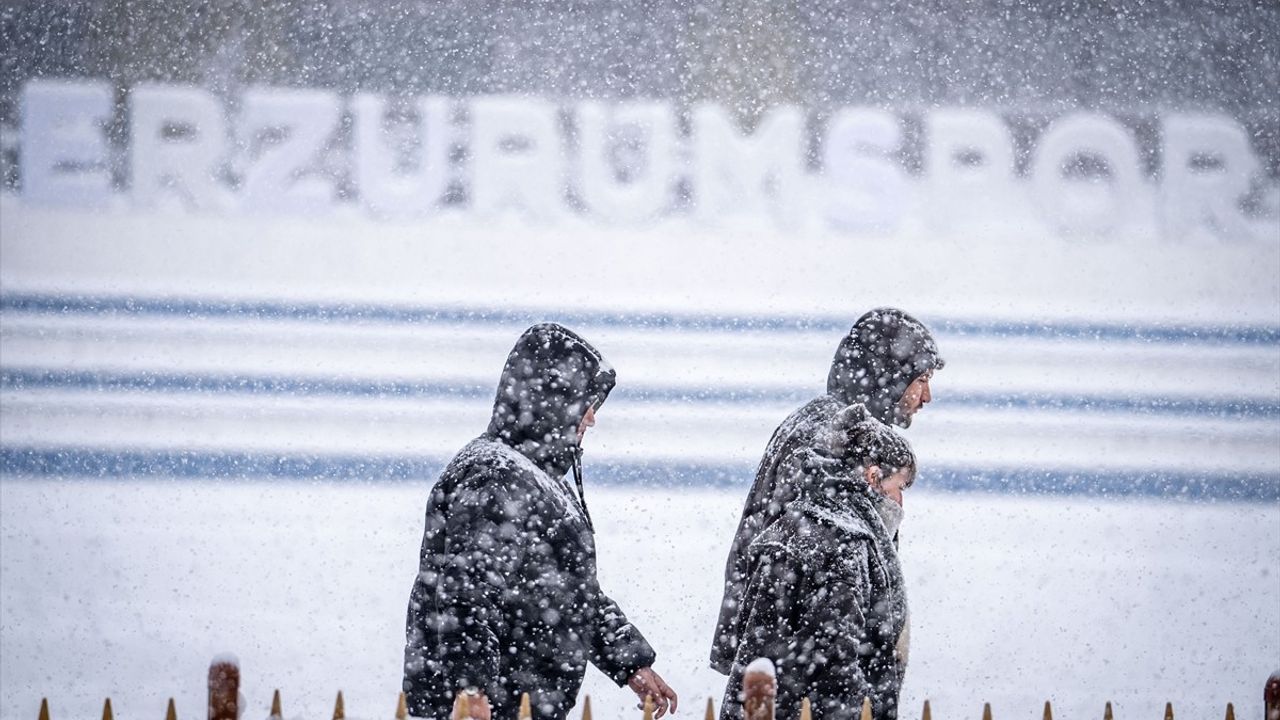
x,y
506,600
885,363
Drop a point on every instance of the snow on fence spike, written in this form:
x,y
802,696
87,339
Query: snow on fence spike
x,y
339,711
866,708
106,710
224,687
171,712
806,710
1168,711
1231,712
526,709
927,714
648,707
44,709
1048,711
402,707
759,690
276,713
986,711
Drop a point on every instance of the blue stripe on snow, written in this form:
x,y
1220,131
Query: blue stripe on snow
x,y
91,463
353,312
20,378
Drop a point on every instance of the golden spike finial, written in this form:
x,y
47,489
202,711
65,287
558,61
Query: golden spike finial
x,y
928,712
339,711
866,708
1106,714
711,710
106,710
806,709
44,708
1048,711
648,707
586,707
986,711
526,708
275,705
171,712
1168,711
402,707
1231,712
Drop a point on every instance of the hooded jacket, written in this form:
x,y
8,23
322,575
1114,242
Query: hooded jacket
x,y
885,350
506,598
824,600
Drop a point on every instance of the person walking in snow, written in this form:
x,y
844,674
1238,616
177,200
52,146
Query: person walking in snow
x,y
506,599
885,363
824,598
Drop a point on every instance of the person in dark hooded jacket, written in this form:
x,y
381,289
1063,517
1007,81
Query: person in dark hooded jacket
x,y
885,363
506,599
824,598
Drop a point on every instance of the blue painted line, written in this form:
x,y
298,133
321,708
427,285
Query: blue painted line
x,y
22,379
73,462
519,318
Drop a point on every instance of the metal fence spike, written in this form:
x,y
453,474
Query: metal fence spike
x,y
866,708
106,710
648,707
1048,711
44,708
402,707
711,711
1168,711
586,707
806,710
986,711
275,705
526,708
927,714
1231,712
171,712
339,711
1106,714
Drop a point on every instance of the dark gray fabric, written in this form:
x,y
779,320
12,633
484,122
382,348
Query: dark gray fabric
x,y
824,600
506,598
874,361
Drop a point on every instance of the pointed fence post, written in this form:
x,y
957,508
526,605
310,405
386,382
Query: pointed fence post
x,y
1271,697
339,710
224,686
526,708
711,711
1048,711
1231,712
402,707
1106,714
1168,711
759,690
986,711
276,713
806,709
44,708
648,707
928,712
171,712
586,707
866,708
106,710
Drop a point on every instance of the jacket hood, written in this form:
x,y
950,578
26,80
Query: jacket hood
x,y
551,377
885,350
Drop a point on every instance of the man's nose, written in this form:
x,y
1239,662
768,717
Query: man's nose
x,y
925,396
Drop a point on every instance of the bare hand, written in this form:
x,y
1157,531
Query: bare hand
x,y
647,683
471,705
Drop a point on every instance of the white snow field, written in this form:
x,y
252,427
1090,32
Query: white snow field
x,y
127,589
184,363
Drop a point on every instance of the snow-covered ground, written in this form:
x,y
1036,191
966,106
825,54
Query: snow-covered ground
x,y
128,588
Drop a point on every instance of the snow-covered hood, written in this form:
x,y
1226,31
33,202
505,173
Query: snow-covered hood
x,y
550,378
885,350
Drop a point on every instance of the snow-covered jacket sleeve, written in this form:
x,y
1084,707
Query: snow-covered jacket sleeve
x,y
811,622
617,648
482,551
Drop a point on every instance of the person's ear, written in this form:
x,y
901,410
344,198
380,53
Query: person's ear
x,y
873,475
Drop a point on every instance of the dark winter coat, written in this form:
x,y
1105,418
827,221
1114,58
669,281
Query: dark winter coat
x,y
885,350
506,598
824,601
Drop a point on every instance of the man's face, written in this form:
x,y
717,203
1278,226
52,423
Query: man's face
x,y
916,396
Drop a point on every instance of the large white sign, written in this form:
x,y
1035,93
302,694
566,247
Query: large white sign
x,y
306,151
